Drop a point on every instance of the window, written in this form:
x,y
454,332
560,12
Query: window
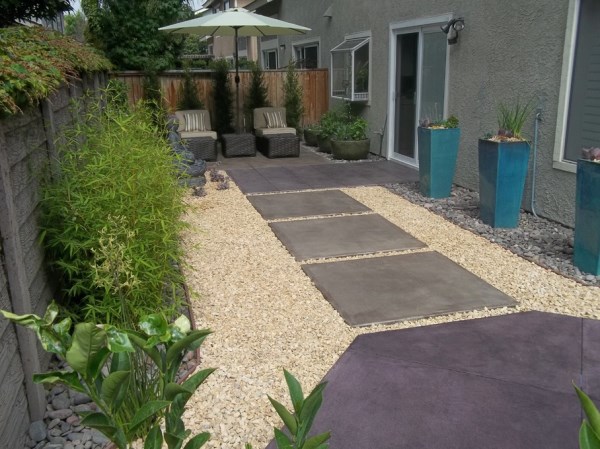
x,y
307,56
270,59
583,122
225,5
350,70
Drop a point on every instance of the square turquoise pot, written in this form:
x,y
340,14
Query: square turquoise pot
x,y
438,149
502,174
586,254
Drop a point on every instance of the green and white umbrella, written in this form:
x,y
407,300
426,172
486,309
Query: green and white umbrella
x,y
235,22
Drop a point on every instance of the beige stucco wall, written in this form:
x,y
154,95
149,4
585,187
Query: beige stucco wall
x,y
508,50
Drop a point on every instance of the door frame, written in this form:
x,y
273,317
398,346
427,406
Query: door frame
x,y
396,29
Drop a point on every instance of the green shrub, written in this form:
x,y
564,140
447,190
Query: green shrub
x,y
116,93
223,97
292,94
512,118
257,93
188,93
111,221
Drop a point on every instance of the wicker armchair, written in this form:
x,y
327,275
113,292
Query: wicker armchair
x,y
271,121
273,137
195,129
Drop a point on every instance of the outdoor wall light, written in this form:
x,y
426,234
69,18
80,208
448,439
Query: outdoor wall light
x,y
452,28
282,47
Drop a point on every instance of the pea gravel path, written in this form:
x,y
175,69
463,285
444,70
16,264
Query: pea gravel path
x,y
267,315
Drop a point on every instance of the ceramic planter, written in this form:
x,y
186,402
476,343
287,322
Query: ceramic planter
x,y
438,149
324,144
350,150
587,218
311,138
502,174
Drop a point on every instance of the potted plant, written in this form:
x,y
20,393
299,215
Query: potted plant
x,y
311,135
438,149
350,141
503,162
327,126
587,213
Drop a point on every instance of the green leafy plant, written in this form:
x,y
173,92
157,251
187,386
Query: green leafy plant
x,y
292,98
356,129
329,122
223,97
34,62
512,118
300,420
111,221
188,93
449,123
100,357
589,432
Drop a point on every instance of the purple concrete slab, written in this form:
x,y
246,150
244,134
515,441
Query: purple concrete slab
x,y
442,387
590,376
395,288
305,204
379,403
342,236
499,347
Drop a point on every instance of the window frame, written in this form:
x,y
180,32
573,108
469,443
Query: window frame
x,y
367,40
307,43
559,162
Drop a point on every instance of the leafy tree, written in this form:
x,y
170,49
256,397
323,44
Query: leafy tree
x,y
13,10
75,25
223,97
127,31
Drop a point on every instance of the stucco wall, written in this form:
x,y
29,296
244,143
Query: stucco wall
x,y
508,50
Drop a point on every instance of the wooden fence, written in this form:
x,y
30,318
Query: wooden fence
x,y
315,85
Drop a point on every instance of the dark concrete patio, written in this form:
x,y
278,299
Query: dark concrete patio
x,y
493,383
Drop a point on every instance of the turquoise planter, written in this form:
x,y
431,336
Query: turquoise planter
x,y
438,149
502,174
587,218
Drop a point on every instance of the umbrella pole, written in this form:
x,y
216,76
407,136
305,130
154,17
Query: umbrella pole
x,y
237,83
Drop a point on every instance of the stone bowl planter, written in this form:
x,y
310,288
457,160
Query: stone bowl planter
x,y
311,137
324,144
350,150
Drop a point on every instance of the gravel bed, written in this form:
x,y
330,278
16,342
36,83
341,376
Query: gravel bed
x,y
266,314
539,240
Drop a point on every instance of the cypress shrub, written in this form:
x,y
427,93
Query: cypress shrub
x,y
223,97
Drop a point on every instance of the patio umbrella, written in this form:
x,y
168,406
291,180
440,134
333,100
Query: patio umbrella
x,y
235,22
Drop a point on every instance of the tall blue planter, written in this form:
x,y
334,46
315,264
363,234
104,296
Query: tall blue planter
x,y
587,218
438,149
502,174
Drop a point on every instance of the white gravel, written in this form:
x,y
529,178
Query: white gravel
x,y
267,314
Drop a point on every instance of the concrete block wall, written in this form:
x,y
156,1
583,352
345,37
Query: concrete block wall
x,y
27,157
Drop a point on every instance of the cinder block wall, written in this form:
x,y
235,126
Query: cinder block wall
x,y
27,153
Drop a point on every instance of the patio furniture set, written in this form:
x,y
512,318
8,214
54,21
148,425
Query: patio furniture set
x,y
271,136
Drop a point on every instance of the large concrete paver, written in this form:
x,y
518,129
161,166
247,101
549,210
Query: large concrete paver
x,y
496,383
305,204
395,288
342,236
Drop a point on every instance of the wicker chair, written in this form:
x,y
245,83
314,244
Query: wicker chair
x,y
194,128
273,137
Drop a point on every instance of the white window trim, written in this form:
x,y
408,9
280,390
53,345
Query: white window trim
x,y
308,43
357,35
564,98
262,55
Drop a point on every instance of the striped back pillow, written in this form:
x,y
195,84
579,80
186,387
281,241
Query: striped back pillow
x,y
194,122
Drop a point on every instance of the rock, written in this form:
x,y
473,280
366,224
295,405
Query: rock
x,y
69,445
53,446
61,401
78,398
82,408
75,437
57,389
590,277
98,437
73,420
37,431
55,432
60,414
52,424
57,440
